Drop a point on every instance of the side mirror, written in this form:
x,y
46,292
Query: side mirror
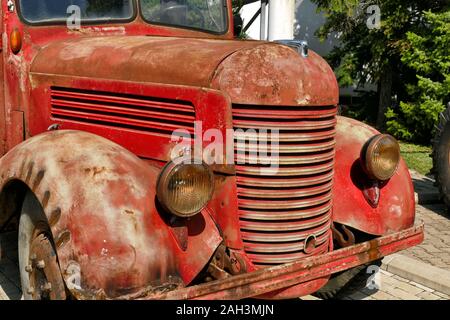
x,y
238,25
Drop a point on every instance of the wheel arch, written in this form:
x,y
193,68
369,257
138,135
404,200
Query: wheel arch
x,y
396,208
99,200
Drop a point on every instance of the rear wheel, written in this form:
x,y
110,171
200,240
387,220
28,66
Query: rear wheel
x,y
441,156
39,269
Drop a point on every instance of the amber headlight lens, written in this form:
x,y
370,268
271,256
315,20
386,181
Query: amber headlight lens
x,y
381,156
185,189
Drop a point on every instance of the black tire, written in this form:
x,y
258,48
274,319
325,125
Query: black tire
x,y
33,223
441,156
346,282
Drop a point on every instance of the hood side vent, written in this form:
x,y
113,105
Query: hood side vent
x,y
130,112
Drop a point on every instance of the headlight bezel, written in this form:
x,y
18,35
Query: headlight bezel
x,y
368,154
162,190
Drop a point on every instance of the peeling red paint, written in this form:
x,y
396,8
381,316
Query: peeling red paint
x,y
110,97
396,210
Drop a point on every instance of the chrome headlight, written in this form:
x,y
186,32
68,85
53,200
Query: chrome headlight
x,y
185,189
380,157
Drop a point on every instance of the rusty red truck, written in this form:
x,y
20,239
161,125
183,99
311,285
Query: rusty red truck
x,y
91,94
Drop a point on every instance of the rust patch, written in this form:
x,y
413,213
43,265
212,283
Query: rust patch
x,y
54,217
95,171
271,74
29,172
374,252
137,58
62,239
45,199
46,282
22,169
38,179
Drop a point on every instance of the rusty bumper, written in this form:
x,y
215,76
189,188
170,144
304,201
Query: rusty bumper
x,y
284,276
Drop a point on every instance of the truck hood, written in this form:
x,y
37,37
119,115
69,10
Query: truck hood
x,y
250,72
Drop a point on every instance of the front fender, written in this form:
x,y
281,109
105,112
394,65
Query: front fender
x,y
100,202
396,209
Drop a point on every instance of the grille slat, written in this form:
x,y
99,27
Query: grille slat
x,y
283,204
270,237
274,259
285,160
279,208
254,225
243,148
281,247
111,109
285,192
276,215
280,182
283,137
285,171
145,114
106,97
285,125
281,114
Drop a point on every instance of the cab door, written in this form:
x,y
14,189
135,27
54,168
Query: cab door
x,y
2,80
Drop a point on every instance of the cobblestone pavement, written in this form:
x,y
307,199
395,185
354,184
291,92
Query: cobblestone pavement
x,y
435,249
390,287
424,187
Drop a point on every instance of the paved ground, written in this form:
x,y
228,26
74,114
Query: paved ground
x,y
426,191
390,287
435,250
393,287
9,267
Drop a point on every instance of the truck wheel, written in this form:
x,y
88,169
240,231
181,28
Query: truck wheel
x,y
39,268
356,277
441,156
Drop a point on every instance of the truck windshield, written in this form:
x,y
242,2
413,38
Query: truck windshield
x,y
41,11
206,15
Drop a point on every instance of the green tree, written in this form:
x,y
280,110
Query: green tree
x,y
371,53
101,7
427,52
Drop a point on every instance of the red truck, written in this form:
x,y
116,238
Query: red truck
x,y
95,97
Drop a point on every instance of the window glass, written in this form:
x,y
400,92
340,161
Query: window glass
x,y
208,15
91,10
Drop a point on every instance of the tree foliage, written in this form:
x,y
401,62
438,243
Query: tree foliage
x,y
367,55
427,52
237,5
101,6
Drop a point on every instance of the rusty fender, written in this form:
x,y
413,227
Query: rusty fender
x,y
99,200
396,208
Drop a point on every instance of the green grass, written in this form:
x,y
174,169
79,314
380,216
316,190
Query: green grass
x,y
417,157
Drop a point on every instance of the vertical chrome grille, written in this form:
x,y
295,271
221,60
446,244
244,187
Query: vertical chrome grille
x,y
280,208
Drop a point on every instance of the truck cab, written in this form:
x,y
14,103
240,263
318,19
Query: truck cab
x,y
149,154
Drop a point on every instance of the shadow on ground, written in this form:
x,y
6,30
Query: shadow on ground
x,y
9,266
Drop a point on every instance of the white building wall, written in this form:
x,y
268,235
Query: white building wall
x,y
306,23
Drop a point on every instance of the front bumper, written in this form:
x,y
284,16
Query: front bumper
x,y
275,278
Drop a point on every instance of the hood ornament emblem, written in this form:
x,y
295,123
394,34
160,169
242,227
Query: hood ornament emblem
x,y
301,46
